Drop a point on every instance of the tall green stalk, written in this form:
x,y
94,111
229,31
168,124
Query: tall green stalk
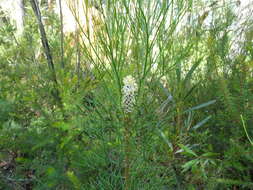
x,y
127,137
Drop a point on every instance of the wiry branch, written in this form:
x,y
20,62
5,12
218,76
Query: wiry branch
x,y
44,40
62,36
47,51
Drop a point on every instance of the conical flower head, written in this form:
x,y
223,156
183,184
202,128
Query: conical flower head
x,y
129,89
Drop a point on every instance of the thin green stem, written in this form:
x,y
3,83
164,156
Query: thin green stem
x,y
127,137
244,126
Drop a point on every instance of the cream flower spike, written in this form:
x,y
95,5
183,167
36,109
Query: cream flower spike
x,y
129,89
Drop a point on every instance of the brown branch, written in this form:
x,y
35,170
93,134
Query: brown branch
x,y
44,40
47,51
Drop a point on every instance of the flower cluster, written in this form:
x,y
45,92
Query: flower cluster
x,y
129,89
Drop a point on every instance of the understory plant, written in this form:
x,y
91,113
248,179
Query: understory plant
x,y
151,98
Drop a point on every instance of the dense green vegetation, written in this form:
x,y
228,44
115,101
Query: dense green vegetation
x,y
64,123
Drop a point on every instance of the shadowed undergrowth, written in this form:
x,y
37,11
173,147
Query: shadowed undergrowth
x,y
150,97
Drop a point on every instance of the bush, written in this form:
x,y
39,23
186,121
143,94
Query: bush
x,y
148,100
